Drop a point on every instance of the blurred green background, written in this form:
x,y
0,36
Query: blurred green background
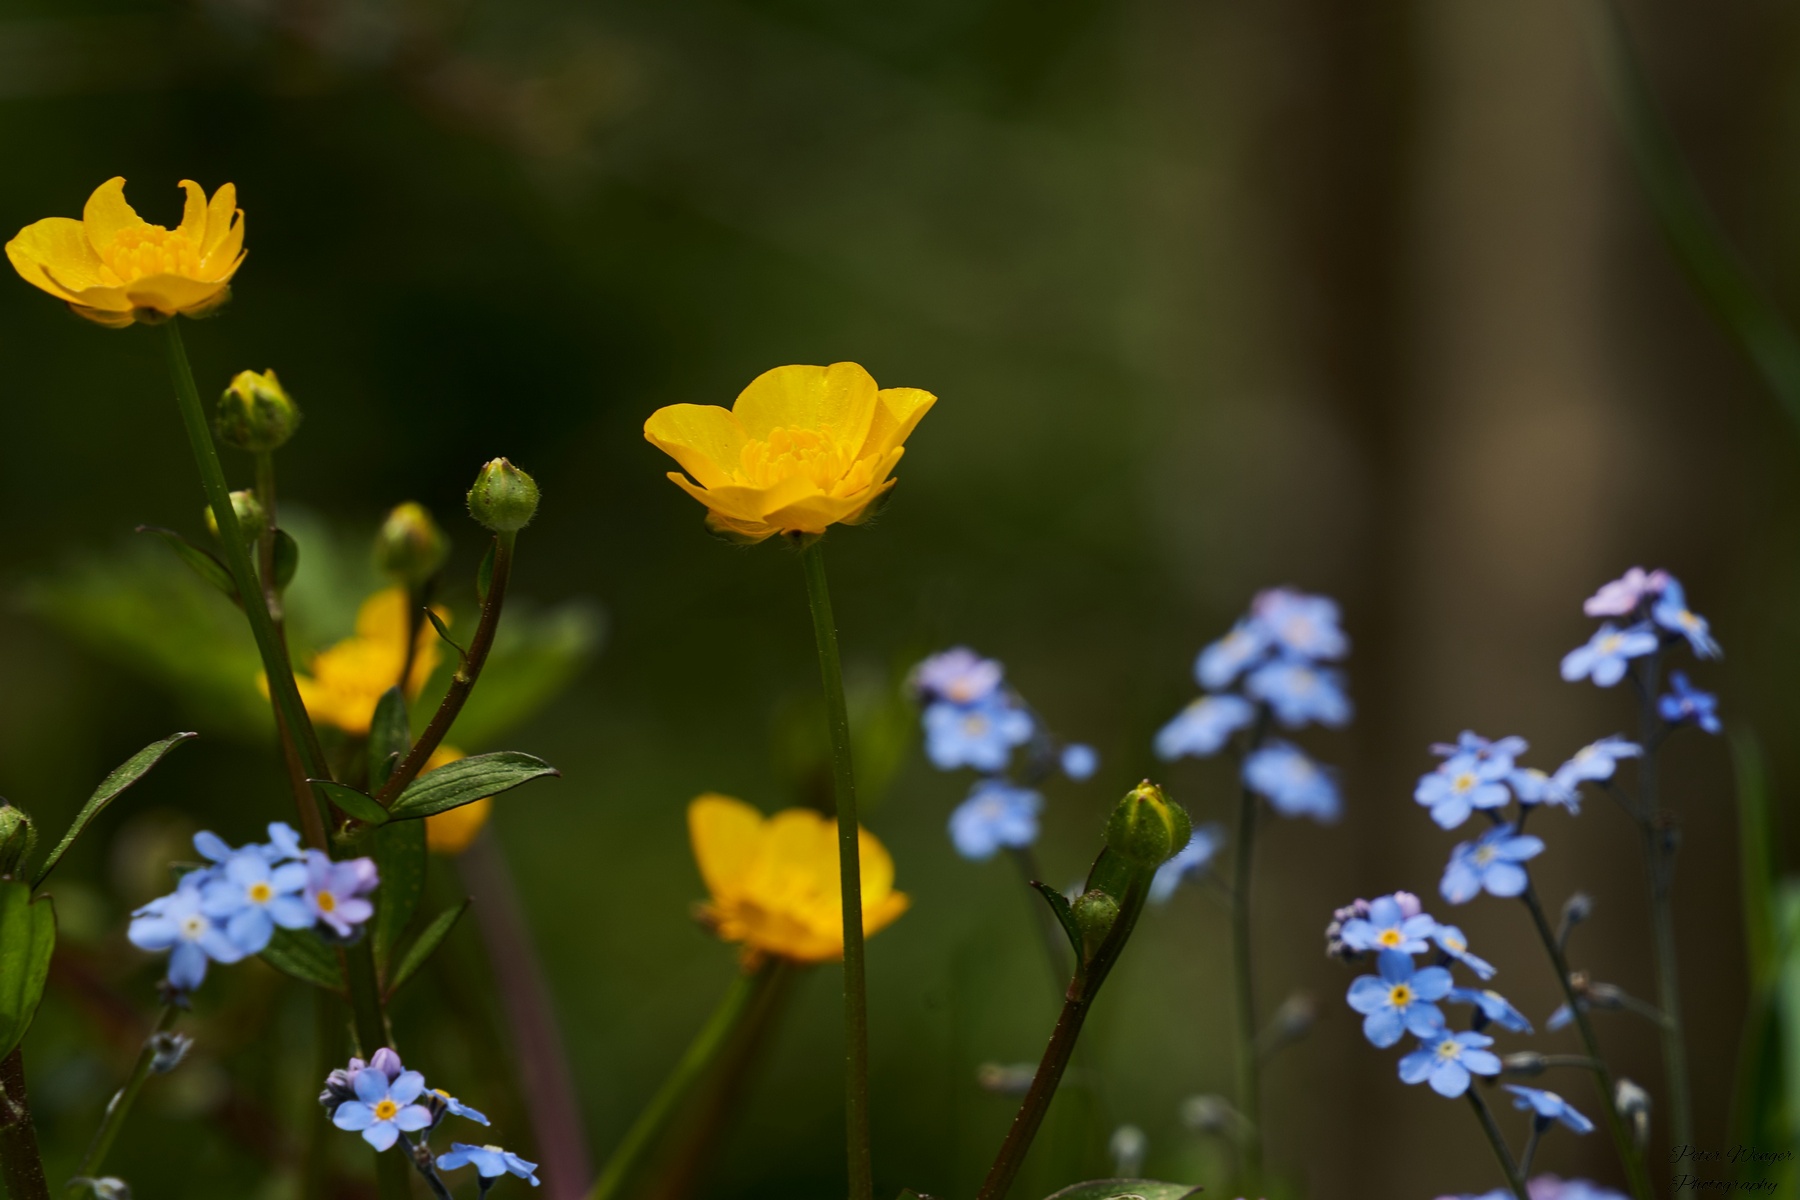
x,y
1360,298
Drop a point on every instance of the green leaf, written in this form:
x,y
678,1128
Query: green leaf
x,y
400,857
1059,904
390,736
204,563
1112,874
27,936
287,559
362,807
425,945
467,781
1126,1189
301,954
128,773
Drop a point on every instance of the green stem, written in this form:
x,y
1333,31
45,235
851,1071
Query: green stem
x,y
1514,1181
1629,1157
1249,1079
119,1107
739,1001
21,1166
1659,868
371,1035
856,1005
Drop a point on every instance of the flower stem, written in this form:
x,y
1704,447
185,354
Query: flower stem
x,y
119,1107
372,1035
1629,1157
1249,1089
856,1004
1659,867
21,1166
1514,1181
641,1138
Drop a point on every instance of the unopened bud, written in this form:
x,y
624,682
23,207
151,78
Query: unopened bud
x,y
1094,914
1210,1114
255,413
1577,908
504,498
109,1188
410,546
1525,1062
1005,1079
1633,1103
18,838
1295,1018
1147,828
167,1050
1127,1147
250,516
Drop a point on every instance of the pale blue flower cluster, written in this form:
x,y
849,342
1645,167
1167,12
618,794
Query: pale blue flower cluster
x,y
1276,658
1655,605
1548,1187
972,719
230,908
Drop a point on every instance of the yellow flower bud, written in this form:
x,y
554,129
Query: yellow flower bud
x,y
256,413
410,546
1147,828
504,498
250,516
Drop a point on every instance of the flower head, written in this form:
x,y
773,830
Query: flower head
x,y
1672,613
1594,762
178,923
1292,782
1489,863
114,268
1388,927
1221,662
1468,742
1399,999
1203,727
1548,1107
1607,653
774,880
958,675
1491,1006
1448,1061
1461,784
1301,624
802,449
457,1108
335,891
1451,941
1688,705
251,898
1079,761
1532,786
980,735
996,814
1298,692
490,1162
348,680
1621,597
1203,846
384,1107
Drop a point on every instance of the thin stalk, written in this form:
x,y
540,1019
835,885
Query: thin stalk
x,y
1050,931
1514,1181
1659,868
1603,1080
665,1105
468,670
119,1107
1530,1151
1077,1001
21,1166
856,1002
328,1047
285,694
371,1035
1249,1081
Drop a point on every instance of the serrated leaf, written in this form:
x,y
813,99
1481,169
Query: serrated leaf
x,y
287,559
466,781
362,807
203,562
399,851
390,735
1126,1189
27,936
300,953
1065,916
126,774
425,945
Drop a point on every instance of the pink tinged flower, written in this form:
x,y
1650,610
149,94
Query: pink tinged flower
x,y
335,891
383,1108
1621,597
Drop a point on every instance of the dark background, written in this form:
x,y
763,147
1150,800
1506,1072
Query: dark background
x,y
1361,298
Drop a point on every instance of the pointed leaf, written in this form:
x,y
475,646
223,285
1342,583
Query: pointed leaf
x,y
287,559
127,773
425,945
467,781
27,936
390,735
400,857
204,563
1059,904
301,954
362,807
1126,1189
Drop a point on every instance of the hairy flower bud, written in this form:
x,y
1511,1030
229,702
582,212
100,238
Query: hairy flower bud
x,y
1147,828
18,838
1094,914
1525,1062
250,516
504,498
410,546
1633,1103
255,413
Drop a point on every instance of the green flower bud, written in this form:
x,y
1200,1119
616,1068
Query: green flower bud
x,y
250,516
504,498
410,546
1094,914
18,838
255,413
1147,828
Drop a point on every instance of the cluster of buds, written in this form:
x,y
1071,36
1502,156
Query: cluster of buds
x,y
1358,910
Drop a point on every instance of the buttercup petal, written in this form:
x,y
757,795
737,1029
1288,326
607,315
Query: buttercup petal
x,y
840,398
708,441
193,213
899,410
59,244
738,503
171,293
224,222
106,214
727,836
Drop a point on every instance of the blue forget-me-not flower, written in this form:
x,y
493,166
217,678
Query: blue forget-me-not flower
x,y
958,675
1548,1107
1204,726
1448,1061
1490,863
251,897
1594,762
1688,705
1461,784
1608,653
1298,693
490,1162
1293,783
996,814
1399,999
384,1105
1491,1006
1672,613
1389,927
1451,941
980,735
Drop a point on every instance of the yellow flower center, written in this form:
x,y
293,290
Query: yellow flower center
x,y
1390,938
1449,1048
1688,620
1485,855
261,893
326,902
975,726
1400,995
1452,943
1464,782
1610,643
385,1110
147,250
192,927
809,454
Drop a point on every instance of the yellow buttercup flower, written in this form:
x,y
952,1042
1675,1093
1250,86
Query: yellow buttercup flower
x,y
774,880
802,449
114,267
348,679
452,832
